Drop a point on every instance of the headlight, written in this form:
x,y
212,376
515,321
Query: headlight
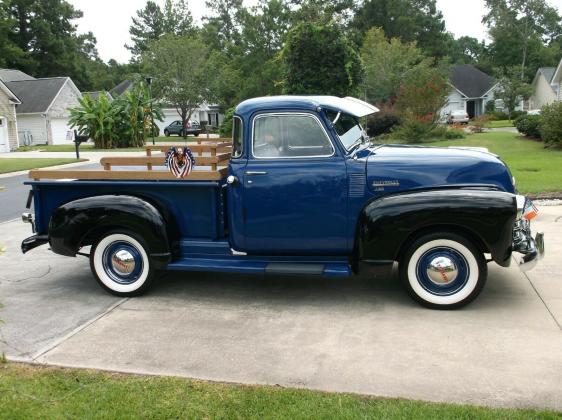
x,y
513,181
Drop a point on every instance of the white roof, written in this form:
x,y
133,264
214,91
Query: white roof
x,y
347,105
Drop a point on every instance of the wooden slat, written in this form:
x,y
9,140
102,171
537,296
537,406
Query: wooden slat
x,y
126,175
158,160
203,139
218,147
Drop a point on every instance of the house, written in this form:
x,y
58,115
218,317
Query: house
x,y
8,120
205,114
471,90
544,92
43,115
11,75
95,95
556,81
121,88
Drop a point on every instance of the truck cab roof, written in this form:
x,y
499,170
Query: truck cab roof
x,y
347,105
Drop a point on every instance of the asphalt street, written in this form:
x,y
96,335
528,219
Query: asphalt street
x,y
14,196
358,334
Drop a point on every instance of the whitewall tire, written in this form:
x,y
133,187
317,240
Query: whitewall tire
x,y
121,265
443,270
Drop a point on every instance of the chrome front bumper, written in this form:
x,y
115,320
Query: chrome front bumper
x,y
530,249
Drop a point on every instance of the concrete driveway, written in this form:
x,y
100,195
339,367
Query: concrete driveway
x,y
357,335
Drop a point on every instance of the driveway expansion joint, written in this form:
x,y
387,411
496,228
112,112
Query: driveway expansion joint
x,y
43,352
543,301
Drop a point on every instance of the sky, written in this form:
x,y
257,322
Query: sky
x,y
109,20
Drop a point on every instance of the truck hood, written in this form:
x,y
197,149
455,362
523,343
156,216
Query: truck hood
x,y
392,168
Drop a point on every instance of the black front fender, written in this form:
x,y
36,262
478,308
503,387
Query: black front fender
x,y
76,223
386,224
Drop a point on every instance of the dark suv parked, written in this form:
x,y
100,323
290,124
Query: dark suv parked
x,y
191,127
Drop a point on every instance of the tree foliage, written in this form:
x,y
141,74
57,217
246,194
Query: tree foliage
x,y
386,62
318,59
511,88
181,67
408,20
124,122
152,22
520,29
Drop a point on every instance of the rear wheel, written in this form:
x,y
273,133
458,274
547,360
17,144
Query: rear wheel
x,y
121,265
443,270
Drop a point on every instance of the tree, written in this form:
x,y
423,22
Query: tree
x,y
221,30
181,69
512,89
408,20
466,50
11,53
318,59
422,95
386,62
518,27
151,23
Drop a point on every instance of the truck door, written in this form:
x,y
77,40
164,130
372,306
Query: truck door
x,y
294,188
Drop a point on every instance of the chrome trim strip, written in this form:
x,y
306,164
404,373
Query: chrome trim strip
x,y
281,114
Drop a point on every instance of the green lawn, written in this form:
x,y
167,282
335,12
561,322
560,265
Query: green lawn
x,y
28,392
70,148
24,164
499,124
535,168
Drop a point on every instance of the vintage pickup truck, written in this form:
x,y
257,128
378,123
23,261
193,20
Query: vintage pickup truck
x,y
299,189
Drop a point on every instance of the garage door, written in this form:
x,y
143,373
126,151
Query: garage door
x,y
59,128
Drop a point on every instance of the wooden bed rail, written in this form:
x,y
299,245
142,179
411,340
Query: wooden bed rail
x,y
151,161
101,174
213,148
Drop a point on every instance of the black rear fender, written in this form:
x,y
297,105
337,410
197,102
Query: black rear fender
x,y
388,224
81,222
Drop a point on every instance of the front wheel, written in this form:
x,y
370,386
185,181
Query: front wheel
x,y
443,270
121,265
166,133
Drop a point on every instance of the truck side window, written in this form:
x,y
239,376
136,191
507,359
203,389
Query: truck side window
x,y
290,136
237,139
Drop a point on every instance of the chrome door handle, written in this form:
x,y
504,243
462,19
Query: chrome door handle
x,y
255,173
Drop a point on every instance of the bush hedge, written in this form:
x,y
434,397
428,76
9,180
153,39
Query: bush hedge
x,y
381,123
529,125
551,123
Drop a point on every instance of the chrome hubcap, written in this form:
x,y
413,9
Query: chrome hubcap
x,y
442,270
123,262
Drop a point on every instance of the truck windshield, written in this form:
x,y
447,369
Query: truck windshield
x,y
347,127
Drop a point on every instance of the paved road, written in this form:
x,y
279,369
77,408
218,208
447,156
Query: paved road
x,y
14,196
356,335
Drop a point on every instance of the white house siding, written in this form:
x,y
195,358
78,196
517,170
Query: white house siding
x,y
455,102
8,111
35,124
171,115
543,94
59,114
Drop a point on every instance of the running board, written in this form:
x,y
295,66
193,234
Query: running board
x,y
232,265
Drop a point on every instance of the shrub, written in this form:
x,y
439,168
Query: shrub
x,y
529,125
478,123
517,114
413,130
225,130
454,133
497,115
490,107
551,123
381,123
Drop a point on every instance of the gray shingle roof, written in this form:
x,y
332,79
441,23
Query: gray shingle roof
x,y
96,94
36,95
121,88
10,75
548,72
471,81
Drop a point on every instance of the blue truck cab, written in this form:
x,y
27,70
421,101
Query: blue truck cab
x,y
305,193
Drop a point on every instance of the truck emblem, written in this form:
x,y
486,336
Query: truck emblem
x,y
386,183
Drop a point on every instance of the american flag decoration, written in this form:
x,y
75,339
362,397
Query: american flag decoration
x,y
530,211
179,161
